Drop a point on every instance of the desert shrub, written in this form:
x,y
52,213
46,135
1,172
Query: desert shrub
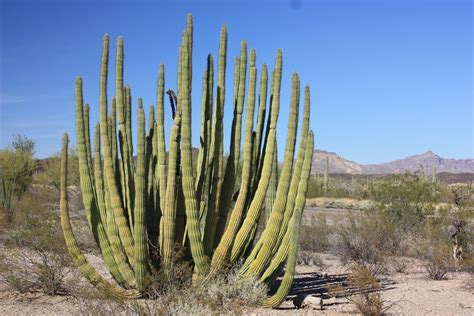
x,y
35,255
16,171
316,236
175,294
232,289
398,264
367,299
315,187
461,194
35,268
435,248
362,289
49,175
436,245
405,201
309,258
367,241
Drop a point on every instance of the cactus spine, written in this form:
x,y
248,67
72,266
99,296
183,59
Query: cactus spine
x,y
162,200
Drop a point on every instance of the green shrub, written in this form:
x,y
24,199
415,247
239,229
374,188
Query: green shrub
x,y
405,201
50,174
16,171
367,241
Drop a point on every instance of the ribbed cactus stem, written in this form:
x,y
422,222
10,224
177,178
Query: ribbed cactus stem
x,y
86,269
87,189
150,159
222,250
116,202
272,188
123,99
128,123
87,135
253,212
297,171
285,285
167,229
139,227
216,148
126,155
270,234
159,201
113,139
262,107
98,175
207,166
192,211
236,134
160,121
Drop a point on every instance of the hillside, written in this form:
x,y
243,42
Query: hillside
x,y
422,163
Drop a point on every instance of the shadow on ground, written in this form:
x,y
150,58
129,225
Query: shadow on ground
x,y
323,286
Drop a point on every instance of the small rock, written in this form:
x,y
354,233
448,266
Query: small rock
x,y
307,302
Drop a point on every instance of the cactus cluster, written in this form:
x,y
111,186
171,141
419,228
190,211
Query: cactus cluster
x,y
209,207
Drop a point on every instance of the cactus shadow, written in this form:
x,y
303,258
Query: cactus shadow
x,y
323,285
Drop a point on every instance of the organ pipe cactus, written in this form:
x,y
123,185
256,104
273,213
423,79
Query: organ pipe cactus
x,y
160,200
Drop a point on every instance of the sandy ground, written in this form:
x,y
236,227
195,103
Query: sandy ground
x,y
409,293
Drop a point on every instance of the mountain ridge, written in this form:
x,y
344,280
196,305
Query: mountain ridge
x,y
423,162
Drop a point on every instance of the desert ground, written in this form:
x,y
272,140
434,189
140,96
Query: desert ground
x,y
409,293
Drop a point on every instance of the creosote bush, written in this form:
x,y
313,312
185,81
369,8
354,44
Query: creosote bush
x,y
139,209
367,299
35,257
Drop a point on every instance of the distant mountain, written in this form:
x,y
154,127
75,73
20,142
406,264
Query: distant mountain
x,y
422,162
337,164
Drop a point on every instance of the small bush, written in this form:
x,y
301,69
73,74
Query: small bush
x,y
35,255
50,169
405,201
399,264
231,288
32,270
17,165
435,249
309,258
368,300
315,237
367,241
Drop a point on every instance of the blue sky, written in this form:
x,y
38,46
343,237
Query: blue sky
x,y
389,78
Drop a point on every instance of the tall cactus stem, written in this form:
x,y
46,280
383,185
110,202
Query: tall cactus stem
x,y
216,149
285,285
86,269
139,227
116,203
